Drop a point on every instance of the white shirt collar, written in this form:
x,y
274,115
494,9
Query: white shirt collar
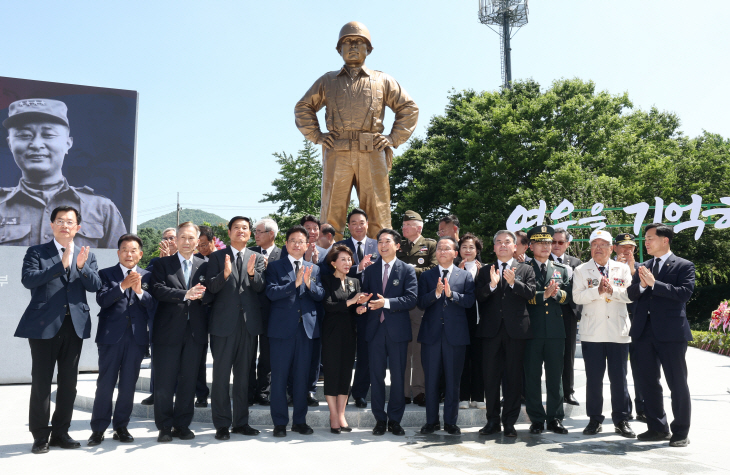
x,y
355,241
450,269
59,246
555,258
269,250
292,260
180,256
509,263
664,258
390,263
125,269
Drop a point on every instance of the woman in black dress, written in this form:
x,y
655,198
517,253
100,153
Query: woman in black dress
x,y
341,297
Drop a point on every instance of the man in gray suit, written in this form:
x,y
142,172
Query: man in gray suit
x,y
235,276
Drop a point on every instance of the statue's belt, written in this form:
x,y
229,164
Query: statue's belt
x,y
348,138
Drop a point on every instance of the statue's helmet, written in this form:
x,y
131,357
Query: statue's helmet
x,y
355,28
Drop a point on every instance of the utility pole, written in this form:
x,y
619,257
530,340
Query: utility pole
x,y
178,208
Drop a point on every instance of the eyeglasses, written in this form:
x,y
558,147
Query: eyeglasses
x,y
256,231
440,249
60,222
600,246
297,243
560,243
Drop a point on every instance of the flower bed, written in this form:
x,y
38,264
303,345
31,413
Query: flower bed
x,y
715,340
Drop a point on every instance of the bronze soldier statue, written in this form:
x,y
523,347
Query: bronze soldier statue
x,y
354,150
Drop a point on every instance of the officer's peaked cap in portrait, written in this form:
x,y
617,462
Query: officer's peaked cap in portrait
x,y
36,110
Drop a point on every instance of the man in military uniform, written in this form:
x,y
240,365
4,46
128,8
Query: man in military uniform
x,y
355,151
419,252
548,343
39,139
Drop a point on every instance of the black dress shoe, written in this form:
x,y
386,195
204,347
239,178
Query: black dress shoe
x,y
165,435
64,441
361,403
303,429
279,431
490,428
557,426
148,401
183,433
429,428
380,427
201,402
593,428
654,436
263,400
624,430
312,401
346,429
641,417
570,399
395,428
222,433
408,400
537,427
509,431
95,439
677,442
40,446
452,429
123,435
245,430
420,399
337,430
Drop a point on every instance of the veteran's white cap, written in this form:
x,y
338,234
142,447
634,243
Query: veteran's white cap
x,y
601,234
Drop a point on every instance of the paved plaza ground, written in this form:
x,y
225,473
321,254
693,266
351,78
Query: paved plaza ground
x,y
361,452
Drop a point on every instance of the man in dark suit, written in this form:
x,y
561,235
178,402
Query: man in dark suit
x,y
122,338
571,313
364,254
259,379
502,292
661,288
293,285
444,293
235,277
625,246
548,343
388,330
179,333
58,274
206,247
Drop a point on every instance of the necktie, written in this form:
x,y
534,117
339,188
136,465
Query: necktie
x,y
560,260
501,281
445,273
239,266
296,269
385,282
68,269
655,270
186,273
359,252
543,271
129,290
263,251
603,271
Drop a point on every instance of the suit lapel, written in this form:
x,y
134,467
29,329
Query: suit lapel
x,y
393,268
179,271
197,262
665,267
234,267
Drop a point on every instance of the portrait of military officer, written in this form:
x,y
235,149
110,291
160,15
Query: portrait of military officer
x,y
39,137
355,150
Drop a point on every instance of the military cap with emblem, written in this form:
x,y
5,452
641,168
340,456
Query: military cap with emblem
x,y
412,216
35,110
625,238
541,233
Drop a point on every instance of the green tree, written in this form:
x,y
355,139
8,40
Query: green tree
x,y
298,190
492,151
151,240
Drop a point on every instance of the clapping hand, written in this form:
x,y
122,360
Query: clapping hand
x,y
494,275
81,258
227,267
377,303
311,252
646,277
66,257
307,277
447,289
137,282
551,290
129,281
439,288
509,276
251,265
195,293
605,287
365,262
300,277
359,299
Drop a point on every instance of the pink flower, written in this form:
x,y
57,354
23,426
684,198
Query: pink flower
x,y
218,243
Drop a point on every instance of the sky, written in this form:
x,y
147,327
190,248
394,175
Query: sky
x,y
218,80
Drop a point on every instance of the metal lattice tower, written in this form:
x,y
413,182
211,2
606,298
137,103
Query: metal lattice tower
x,y
509,15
